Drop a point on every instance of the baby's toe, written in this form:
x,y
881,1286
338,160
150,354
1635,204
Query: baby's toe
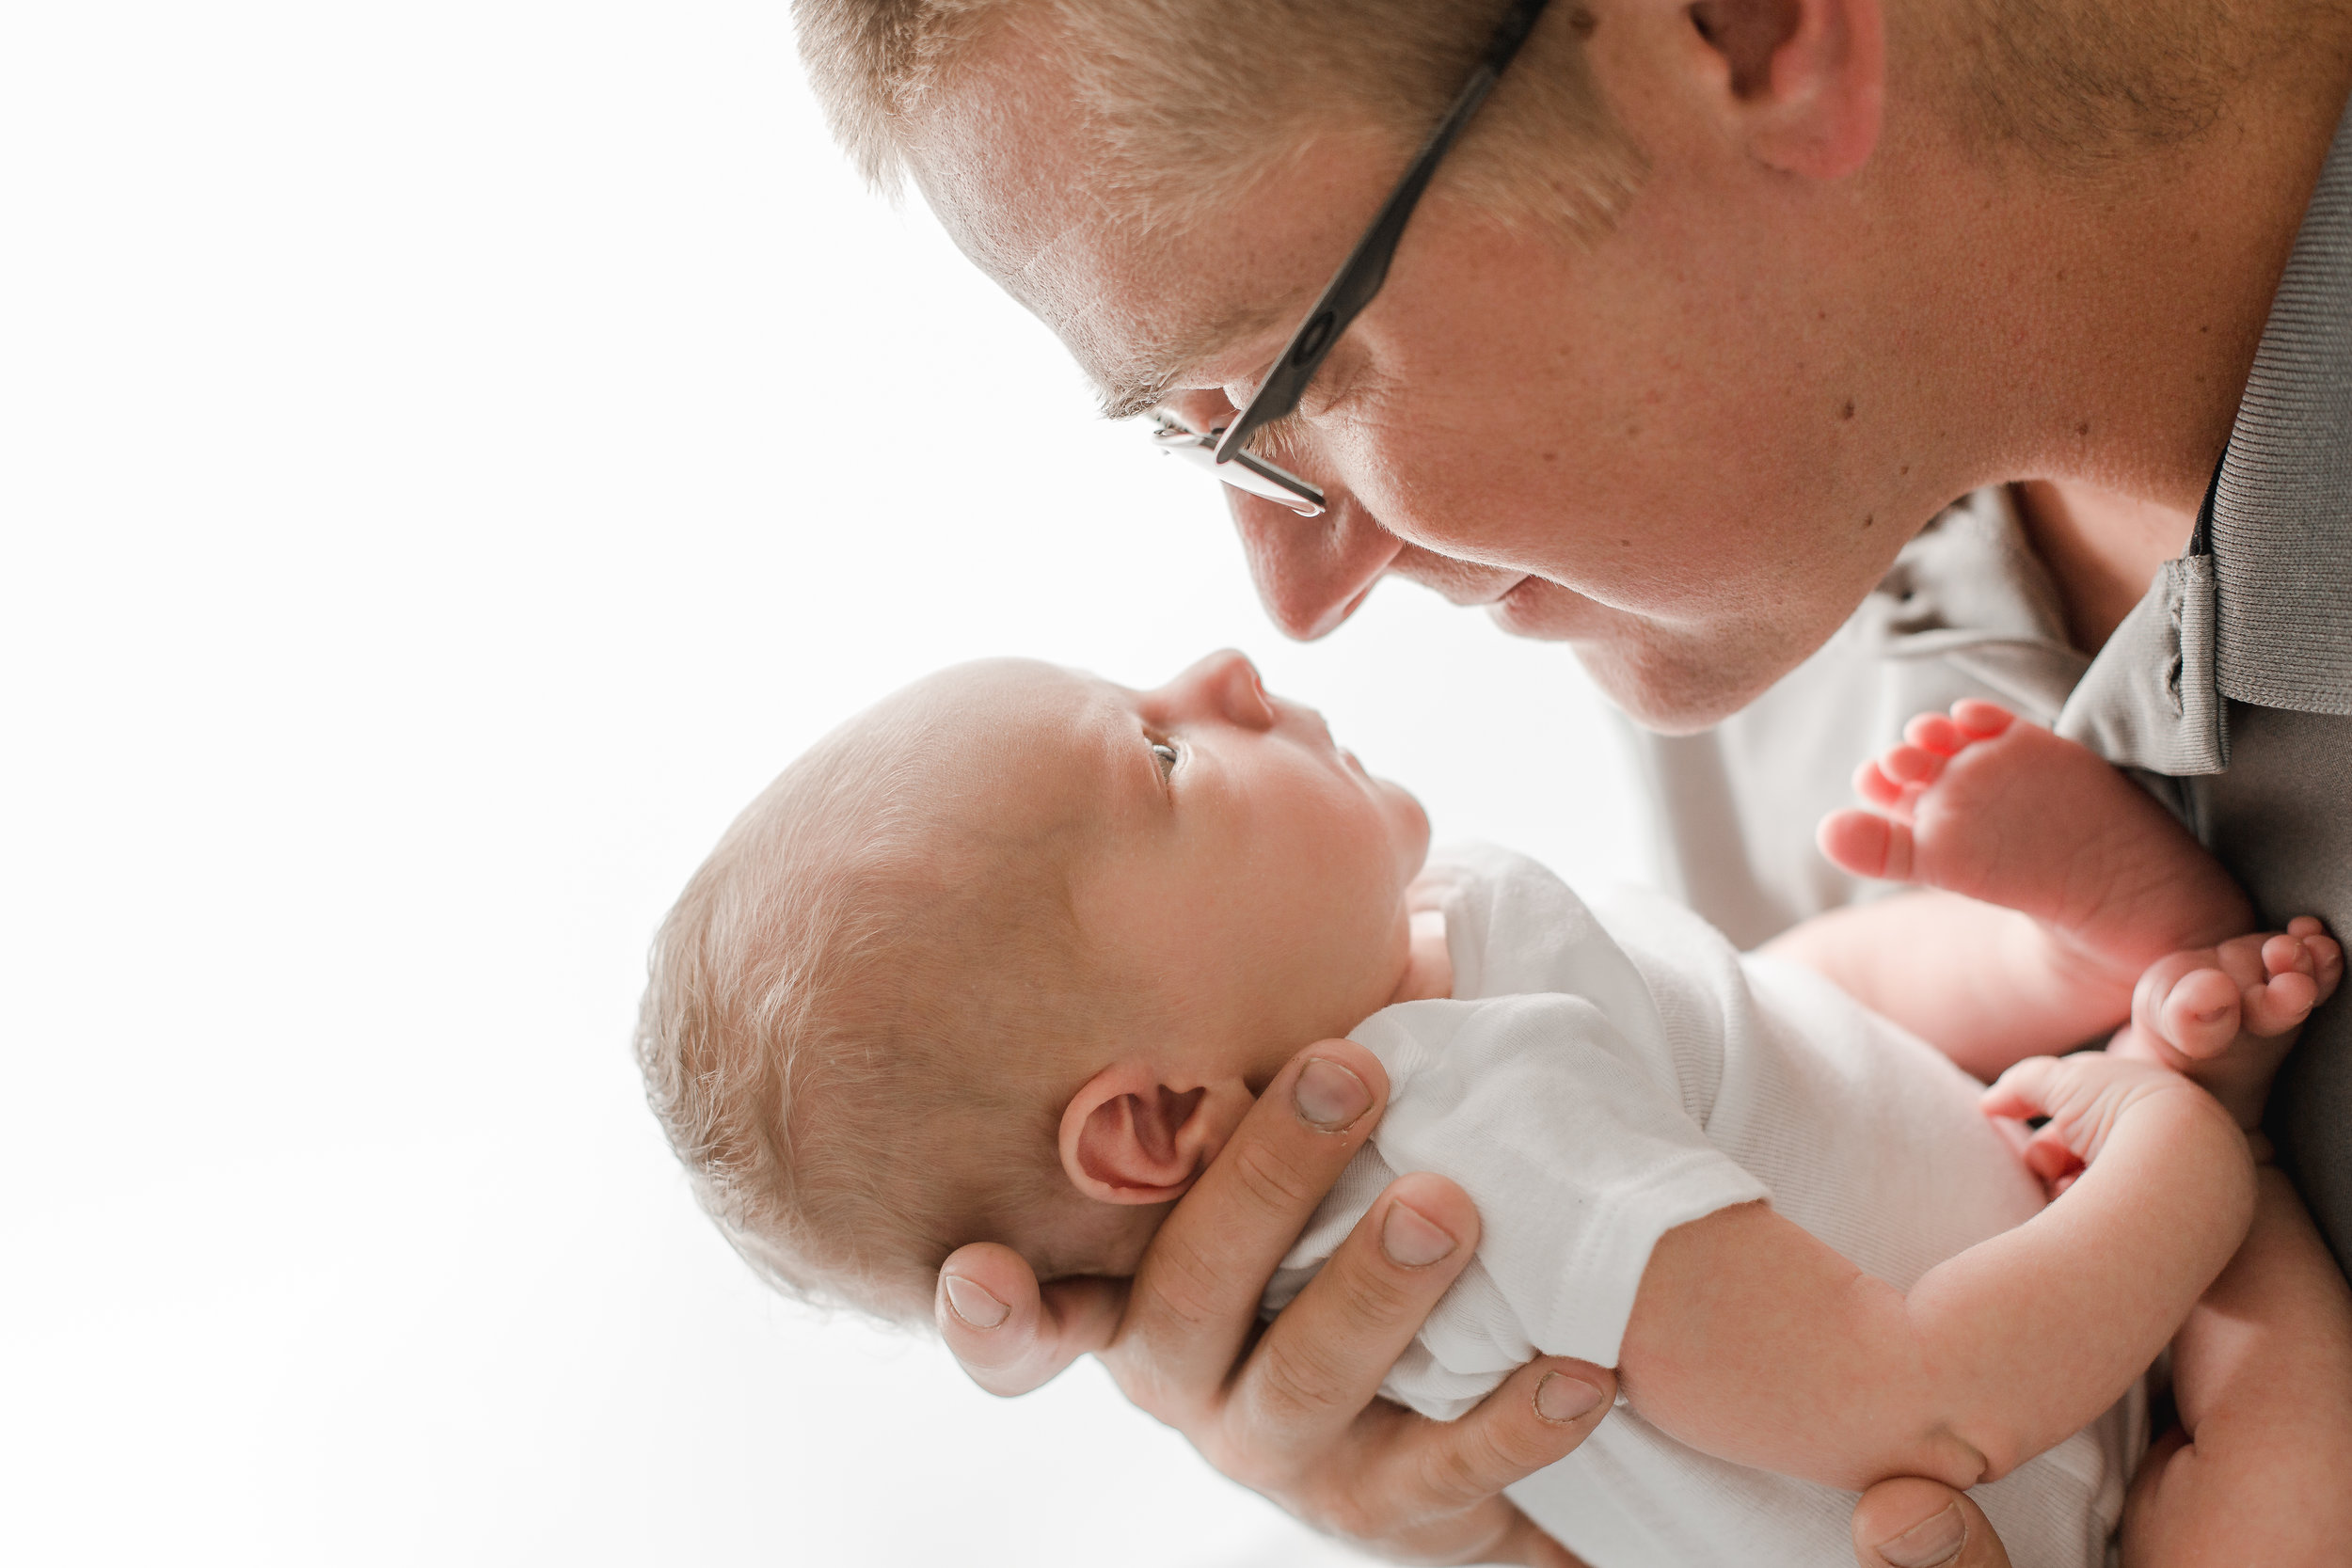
x,y
2199,1014
2281,1003
2287,954
1866,844
1910,765
1933,732
2322,953
1981,719
1876,788
2327,964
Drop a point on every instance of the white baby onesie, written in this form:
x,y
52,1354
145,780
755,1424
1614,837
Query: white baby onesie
x,y
1593,1086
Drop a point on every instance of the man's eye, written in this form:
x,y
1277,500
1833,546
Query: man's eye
x,y
1167,755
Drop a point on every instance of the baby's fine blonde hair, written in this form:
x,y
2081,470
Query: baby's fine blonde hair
x,y
848,1019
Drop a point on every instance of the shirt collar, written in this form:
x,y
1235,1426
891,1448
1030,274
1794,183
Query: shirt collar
x,y
2281,528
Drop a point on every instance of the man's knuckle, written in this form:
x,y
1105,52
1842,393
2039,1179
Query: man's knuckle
x,y
1372,1299
1186,1288
1348,1510
1456,1474
1273,1182
1294,1382
1160,1397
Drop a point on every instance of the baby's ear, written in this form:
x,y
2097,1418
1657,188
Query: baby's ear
x,y
1127,1137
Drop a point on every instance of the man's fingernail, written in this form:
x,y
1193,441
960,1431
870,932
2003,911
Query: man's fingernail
x,y
1560,1397
1330,1097
1930,1541
974,1306
1409,1237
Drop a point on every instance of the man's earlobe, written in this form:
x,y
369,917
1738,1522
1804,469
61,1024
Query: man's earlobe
x,y
1128,1139
1805,79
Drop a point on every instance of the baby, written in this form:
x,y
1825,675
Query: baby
x,y
1008,956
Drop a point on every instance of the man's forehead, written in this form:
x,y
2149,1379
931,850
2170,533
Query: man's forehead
x,y
1009,162
1137,311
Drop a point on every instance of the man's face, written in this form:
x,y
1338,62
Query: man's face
x,y
1678,449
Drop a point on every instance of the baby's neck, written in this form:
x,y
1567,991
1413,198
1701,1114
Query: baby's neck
x,y
1429,970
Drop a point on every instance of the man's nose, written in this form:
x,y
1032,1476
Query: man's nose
x,y
1225,685
1311,572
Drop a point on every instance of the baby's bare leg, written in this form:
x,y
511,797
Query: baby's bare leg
x,y
2102,883
2262,1373
1984,804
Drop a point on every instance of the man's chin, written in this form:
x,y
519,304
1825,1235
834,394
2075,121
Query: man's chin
x,y
1676,684
1676,695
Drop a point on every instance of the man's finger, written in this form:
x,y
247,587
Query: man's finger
x,y
1010,1335
1913,1523
1195,1298
1537,1417
1321,1361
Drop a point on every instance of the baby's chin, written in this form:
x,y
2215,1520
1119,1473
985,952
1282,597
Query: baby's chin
x,y
1414,818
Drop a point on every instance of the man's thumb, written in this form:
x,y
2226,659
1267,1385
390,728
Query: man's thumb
x,y
1913,1523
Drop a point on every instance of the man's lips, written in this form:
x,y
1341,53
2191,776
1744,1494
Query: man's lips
x,y
1503,590
1540,609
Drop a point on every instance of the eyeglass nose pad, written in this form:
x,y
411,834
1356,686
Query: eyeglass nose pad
x,y
1171,434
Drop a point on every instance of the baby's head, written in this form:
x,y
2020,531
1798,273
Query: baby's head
x,y
1005,958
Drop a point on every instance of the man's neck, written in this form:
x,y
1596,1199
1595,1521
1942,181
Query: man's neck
x,y
2117,317
2102,551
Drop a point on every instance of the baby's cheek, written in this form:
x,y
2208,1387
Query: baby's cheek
x,y
1085,1237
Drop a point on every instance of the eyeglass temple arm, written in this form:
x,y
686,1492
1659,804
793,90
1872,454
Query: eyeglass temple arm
x,y
1366,268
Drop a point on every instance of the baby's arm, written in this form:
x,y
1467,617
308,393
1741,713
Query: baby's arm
x,y
1752,1340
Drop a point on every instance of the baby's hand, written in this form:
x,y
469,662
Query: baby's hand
x,y
2225,1017
2084,1096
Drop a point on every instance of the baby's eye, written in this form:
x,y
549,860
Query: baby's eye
x,y
1167,753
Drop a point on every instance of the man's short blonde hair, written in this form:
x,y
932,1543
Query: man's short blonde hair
x,y
844,1017
1189,100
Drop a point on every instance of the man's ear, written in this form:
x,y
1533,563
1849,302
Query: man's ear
x,y
1802,82
1127,1137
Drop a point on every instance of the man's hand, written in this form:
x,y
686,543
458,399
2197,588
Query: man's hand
x,y
1293,1412
1910,1522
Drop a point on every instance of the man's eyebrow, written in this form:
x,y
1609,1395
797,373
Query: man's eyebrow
x,y
1127,394
1132,388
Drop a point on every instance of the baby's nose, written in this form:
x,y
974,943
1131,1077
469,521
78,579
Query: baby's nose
x,y
1228,685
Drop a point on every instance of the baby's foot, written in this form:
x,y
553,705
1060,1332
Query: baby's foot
x,y
2227,1016
1984,804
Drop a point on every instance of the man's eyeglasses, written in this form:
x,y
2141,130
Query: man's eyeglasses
x,y
1221,449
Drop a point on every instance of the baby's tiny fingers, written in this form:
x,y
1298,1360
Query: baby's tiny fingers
x,y
2048,1157
2025,1090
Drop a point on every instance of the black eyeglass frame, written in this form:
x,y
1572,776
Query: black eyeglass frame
x,y
1361,274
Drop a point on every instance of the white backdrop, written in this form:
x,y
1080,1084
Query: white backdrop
x,y
452,453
